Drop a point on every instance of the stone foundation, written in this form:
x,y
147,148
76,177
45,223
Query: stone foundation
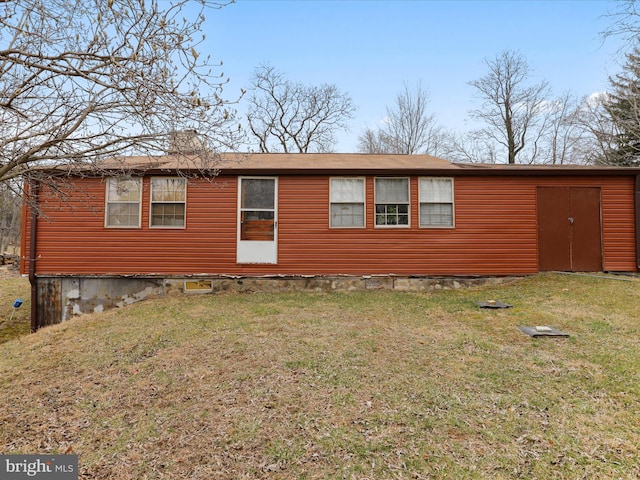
x,y
325,284
60,298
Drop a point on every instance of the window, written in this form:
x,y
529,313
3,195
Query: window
x,y
436,202
392,202
168,202
123,203
346,198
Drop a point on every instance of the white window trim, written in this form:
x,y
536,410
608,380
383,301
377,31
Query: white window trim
x,y
408,203
107,202
151,203
453,204
364,202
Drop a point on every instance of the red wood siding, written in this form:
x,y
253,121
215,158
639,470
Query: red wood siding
x,y
495,232
618,229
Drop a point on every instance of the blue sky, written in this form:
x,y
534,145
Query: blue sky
x,y
370,48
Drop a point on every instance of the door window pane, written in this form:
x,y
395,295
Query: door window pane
x,y
258,193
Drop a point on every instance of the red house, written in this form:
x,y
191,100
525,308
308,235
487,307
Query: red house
x,y
332,219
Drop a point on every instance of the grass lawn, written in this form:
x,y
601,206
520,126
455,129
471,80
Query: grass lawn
x,y
362,385
14,324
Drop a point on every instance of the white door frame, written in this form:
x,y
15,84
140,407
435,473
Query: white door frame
x,y
257,251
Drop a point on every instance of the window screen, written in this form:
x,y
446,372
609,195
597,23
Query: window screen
x,y
168,202
436,202
347,199
123,203
392,201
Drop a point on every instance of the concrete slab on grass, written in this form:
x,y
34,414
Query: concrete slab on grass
x,y
542,331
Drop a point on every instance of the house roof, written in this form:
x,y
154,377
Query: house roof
x,y
340,163
285,162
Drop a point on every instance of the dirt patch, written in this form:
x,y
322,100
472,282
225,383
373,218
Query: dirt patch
x,y
9,271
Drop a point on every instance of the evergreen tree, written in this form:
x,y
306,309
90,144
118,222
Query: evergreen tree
x,y
623,109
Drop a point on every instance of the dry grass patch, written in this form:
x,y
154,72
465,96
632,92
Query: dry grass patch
x,y
12,287
360,385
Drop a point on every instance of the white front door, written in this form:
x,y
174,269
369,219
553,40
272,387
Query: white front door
x,y
257,220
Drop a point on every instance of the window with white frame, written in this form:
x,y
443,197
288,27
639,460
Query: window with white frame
x,y
168,202
392,202
436,202
123,203
347,202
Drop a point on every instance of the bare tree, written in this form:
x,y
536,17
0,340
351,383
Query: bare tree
x,y
566,139
599,142
373,141
471,148
408,127
625,21
291,117
82,80
510,108
10,216
561,136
